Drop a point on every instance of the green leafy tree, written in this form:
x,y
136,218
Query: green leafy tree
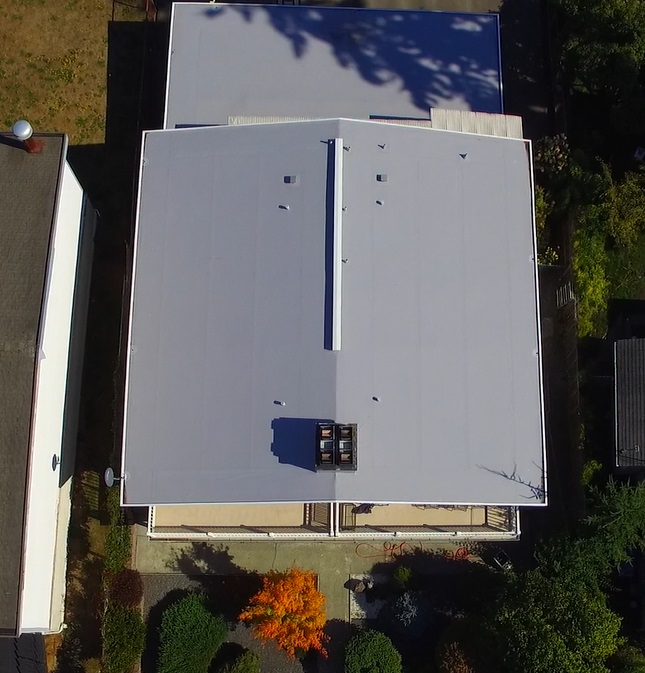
x,y
616,524
604,43
371,652
190,636
544,624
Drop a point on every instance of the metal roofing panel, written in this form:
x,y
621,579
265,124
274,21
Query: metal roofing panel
x,y
327,61
439,317
629,363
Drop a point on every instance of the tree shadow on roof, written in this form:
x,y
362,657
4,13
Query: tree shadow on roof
x,y
455,59
294,441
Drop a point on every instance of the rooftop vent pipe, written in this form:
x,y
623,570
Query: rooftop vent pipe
x,y
23,130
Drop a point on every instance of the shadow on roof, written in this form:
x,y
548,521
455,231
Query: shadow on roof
x,y
294,441
451,57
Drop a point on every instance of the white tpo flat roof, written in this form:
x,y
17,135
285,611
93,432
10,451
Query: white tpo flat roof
x,y
273,60
430,294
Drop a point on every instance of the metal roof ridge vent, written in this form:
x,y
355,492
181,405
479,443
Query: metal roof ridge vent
x,y
337,269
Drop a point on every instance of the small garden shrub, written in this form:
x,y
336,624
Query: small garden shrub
x,y
453,660
124,635
69,655
190,636
247,662
409,616
402,577
406,609
372,652
126,588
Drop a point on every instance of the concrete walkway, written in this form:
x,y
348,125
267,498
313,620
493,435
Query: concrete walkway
x,y
332,561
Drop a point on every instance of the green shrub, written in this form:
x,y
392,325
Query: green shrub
x,y
118,544
371,652
543,208
592,288
247,662
124,635
628,659
589,471
552,155
402,577
126,588
190,636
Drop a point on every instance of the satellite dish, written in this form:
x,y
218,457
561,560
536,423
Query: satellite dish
x,y
109,478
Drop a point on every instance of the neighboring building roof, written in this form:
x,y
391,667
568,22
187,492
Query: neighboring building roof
x,y
629,363
23,655
233,304
272,60
28,191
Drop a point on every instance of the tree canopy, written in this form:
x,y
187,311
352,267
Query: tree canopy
x,y
544,624
290,610
555,616
604,45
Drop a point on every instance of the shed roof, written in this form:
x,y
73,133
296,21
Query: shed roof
x,y
231,314
629,363
273,60
28,191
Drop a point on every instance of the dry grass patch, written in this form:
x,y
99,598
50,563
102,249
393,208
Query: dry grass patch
x,y
53,56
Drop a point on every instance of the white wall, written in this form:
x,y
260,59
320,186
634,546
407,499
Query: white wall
x,y
48,507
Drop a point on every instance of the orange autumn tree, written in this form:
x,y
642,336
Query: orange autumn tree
x,y
290,610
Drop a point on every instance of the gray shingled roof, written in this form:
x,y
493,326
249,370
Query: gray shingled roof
x,y
229,316
28,188
629,362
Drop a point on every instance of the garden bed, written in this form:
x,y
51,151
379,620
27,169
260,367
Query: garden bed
x,y
228,595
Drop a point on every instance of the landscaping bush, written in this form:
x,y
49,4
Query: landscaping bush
x,y
452,659
628,659
402,577
124,635
118,543
69,655
406,618
190,636
247,662
373,652
126,588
